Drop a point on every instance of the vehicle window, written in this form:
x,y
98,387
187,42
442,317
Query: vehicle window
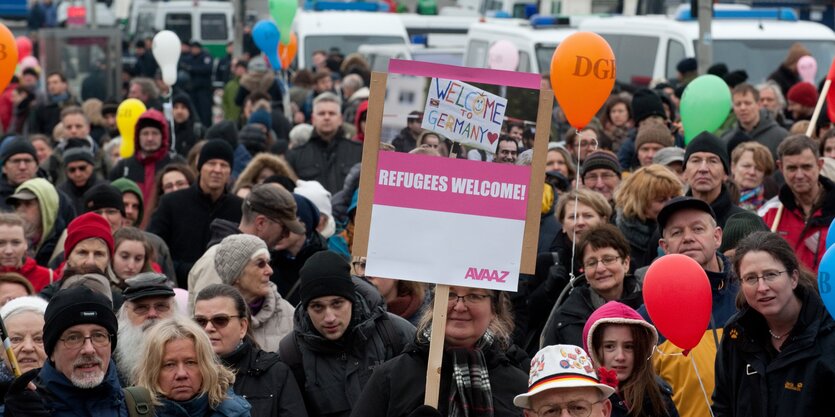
x,y
544,54
213,27
635,58
179,23
345,44
524,62
760,57
477,57
145,23
675,53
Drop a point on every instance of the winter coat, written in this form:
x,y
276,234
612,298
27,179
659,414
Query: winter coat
x,y
203,273
187,231
76,194
326,162
332,374
45,116
565,325
262,82
621,409
286,266
52,224
142,169
405,141
231,111
785,78
767,132
63,399
397,387
273,321
265,382
753,379
639,235
233,406
677,369
807,237
37,275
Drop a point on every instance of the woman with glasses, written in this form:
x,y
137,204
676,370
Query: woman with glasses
x,y
777,356
603,253
243,262
621,343
260,377
481,370
184,376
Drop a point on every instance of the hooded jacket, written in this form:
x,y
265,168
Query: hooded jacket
x,y
125,185
361,111
52,225
37,275
186,134
141,168
335,372
767,132
754,380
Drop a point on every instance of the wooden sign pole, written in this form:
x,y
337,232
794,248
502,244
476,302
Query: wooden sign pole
x,y
436,346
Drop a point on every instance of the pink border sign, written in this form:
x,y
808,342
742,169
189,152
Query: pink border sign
x,y
473,75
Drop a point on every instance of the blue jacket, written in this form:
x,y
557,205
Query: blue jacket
x,y
63,399
233,406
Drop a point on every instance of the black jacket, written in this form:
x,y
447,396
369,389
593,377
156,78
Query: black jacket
x,y
565,326
405,141
752,379
397,387
326,162
47,115
76,194
286,267
265,382
182,220
621,409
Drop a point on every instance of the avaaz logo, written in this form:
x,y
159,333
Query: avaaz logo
x,y
484,274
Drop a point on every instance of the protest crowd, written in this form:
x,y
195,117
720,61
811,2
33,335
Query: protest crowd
x,y
210,273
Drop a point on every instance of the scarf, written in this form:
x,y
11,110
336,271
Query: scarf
x,y
470,394
404,305
60,98
752,199
638,233
195,407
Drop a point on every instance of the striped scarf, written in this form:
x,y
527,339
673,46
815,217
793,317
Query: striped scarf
x,y
470,394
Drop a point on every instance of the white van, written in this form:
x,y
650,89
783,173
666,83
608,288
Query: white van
x,y
345,31
757,40
536,42
210,22
438,31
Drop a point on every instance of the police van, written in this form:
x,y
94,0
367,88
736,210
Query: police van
x,y
535,39
648,48
209,22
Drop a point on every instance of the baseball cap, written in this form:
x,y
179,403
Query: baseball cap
x,y
682,203
147,284
276,203
667,156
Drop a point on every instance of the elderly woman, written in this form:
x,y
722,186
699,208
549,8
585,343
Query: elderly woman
x,y
243,262
751,168
639,199
477,373
604,254
184,375
260,377
777,356
24,321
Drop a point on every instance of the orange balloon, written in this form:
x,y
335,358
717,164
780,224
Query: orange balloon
x,y
286,53
8,56
582,76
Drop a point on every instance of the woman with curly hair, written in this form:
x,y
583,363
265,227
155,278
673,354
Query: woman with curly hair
x,y
261,167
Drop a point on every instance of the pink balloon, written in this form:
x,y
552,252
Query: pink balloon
x,y
29,62
24,47
503,55
807,68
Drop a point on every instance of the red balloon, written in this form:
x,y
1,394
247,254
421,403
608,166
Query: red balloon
x,y
24,47
678,298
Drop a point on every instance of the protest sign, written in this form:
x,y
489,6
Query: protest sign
x,y
464,113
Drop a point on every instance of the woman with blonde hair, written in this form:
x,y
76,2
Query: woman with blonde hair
x,y
751,169
578,211
263,166
183,374
638,200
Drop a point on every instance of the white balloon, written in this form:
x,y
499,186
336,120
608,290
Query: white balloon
x,y
166,49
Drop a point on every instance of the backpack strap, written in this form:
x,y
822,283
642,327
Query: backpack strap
x,y
138,402
289,353
389,333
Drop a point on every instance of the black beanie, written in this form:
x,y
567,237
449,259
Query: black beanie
x,y
646,103
707,142
719,70
224,130
253,139
216,149
78,154
17,146
73,306
687,65
325,274
103,196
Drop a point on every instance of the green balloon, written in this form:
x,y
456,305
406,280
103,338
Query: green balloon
x,y
283,12
705,105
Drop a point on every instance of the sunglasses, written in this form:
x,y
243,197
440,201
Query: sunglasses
x,y
218,322
73,170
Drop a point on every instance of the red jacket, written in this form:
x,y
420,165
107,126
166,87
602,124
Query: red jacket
x,y
39,276
807,237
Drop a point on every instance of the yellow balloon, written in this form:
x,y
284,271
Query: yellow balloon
x,y
126,117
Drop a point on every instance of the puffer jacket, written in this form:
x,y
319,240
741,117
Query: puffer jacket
x,y
397,387
799,380
332,374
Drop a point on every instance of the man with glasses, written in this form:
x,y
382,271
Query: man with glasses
x,y
268,212
601,172
81,176
339,335
20,163
689,227
79,376
148,299
562,378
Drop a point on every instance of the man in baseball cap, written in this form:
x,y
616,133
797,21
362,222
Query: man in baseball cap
x,y
562,378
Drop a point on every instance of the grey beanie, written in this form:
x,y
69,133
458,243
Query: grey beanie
x,y
233,253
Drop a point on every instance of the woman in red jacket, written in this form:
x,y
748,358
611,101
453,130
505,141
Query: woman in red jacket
x,y
13,256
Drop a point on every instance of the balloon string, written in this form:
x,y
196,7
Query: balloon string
x,y
577,184
701,384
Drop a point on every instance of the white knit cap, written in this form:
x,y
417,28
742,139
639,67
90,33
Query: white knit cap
x,y
321,198
19,305
234,252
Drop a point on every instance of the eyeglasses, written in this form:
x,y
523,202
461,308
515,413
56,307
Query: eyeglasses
x,y
76,340
218,322
752,280
143,309
469,299
358,265
598,177
18,161
73,170
579,408
606,261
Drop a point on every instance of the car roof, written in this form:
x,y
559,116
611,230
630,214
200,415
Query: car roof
x,y
522,28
